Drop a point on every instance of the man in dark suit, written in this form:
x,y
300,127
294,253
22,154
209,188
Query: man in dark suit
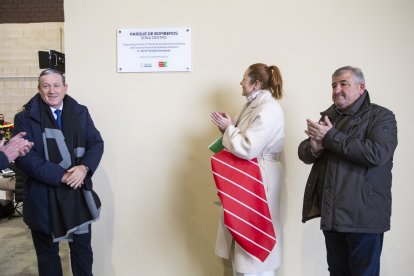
x,y
59,202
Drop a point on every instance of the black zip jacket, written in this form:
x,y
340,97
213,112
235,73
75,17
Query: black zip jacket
x,y
353,172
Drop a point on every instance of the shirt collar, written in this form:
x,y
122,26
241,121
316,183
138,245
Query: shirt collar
x,y
53,109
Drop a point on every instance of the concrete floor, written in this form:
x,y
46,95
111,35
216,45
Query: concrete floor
x,y
17,254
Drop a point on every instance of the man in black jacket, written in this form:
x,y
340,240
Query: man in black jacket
x,y
59,201
351,148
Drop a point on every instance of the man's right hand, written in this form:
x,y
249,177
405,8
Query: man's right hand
x,y
16,147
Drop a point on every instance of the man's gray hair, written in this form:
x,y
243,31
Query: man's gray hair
x,y
49,72
356,72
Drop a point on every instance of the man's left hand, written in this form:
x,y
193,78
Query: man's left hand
x,y
78,174
318,130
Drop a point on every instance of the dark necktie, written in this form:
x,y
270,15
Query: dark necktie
x,y
58,118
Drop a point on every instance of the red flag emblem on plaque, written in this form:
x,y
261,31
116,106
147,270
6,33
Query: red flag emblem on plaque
x,y
242,194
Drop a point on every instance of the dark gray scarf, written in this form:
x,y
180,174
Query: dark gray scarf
x,y
71,211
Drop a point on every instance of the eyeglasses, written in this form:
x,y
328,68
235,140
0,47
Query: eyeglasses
x,y
54,85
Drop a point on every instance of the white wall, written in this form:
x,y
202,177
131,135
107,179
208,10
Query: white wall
x,y
159,213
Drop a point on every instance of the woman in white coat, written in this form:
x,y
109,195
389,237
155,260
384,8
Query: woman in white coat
x,y
256,132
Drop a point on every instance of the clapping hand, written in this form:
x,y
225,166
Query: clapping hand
x,y
316,132
221,119
16,147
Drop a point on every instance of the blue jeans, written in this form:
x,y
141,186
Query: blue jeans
x,y
353,254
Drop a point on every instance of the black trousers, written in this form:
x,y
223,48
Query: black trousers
x,y
353,254
48,260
